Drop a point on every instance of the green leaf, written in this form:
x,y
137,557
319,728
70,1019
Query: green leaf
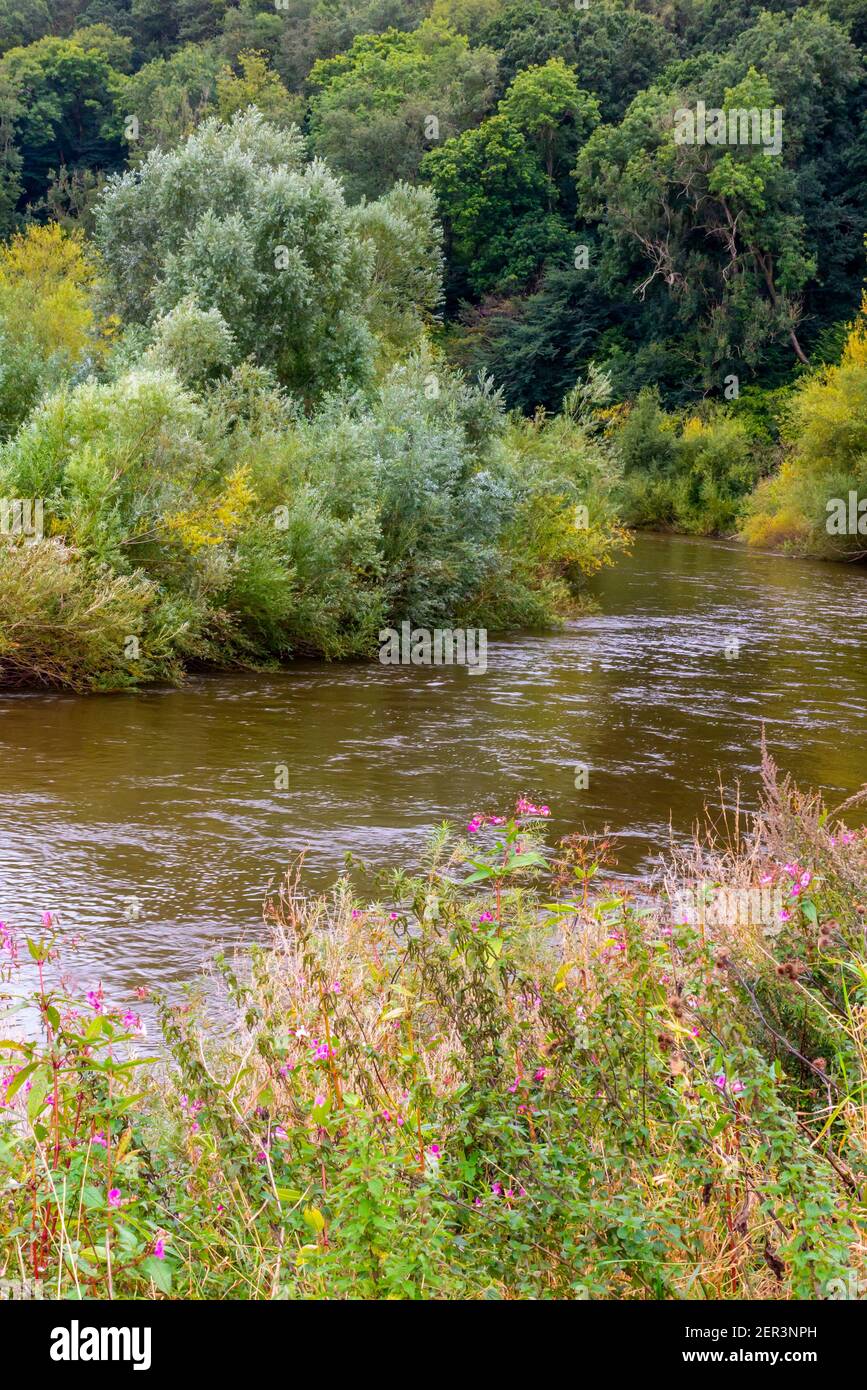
x,y
288,1195
38,1091
159,1271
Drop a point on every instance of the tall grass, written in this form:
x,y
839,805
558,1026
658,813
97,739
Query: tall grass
x,y
488,1083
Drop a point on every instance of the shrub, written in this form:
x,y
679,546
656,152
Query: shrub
x,y
64,622
825,437
464,1089
692,473
266,533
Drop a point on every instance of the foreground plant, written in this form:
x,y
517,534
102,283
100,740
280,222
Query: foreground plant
x,y
470,1091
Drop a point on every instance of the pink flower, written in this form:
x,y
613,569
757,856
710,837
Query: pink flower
x,y
159,1250
434,1149
114,1197
497,1189
100,1139
47,920
785,915
94,999
540,1074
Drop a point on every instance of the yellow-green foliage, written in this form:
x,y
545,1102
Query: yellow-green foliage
x,y
64,622
217,520
47,324
825,432
45,281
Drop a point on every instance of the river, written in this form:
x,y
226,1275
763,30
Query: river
x,y
151,824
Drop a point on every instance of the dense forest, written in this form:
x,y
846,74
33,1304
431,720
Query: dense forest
x,y
316,314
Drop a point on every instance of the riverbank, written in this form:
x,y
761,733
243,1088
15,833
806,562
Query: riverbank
x,y
464,1091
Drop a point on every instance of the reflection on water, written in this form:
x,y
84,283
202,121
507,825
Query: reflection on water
x,y
168,797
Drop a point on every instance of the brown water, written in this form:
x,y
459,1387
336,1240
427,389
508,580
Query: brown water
x,y
168,796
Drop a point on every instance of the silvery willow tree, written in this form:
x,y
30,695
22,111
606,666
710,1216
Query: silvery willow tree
x,y
236,221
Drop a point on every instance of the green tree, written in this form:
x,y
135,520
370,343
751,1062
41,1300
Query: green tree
x,y
376,108
494,196
306,30
23,22
616,49
169,97
502,187
68,110
406,286
236,219
257,85
547,105
10,155
718,228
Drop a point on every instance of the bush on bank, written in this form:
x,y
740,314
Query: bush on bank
x,y
497,1085
825,433
684,471
223,525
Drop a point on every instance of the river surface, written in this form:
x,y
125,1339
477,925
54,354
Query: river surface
x,y
151,822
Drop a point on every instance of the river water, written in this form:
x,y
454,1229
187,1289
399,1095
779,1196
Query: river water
x,y
151,822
